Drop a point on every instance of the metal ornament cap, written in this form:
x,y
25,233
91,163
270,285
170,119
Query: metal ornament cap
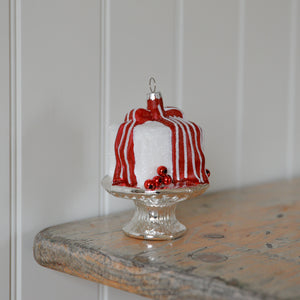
x,y
153,96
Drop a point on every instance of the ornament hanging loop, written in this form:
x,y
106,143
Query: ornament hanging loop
x,y
152,84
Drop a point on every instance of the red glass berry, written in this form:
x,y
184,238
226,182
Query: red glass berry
x,y
162,171
207,172
157,180
167,180
149,184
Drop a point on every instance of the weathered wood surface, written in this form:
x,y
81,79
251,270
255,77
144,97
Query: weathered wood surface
x,y
240,244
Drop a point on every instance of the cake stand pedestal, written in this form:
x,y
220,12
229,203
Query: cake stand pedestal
x,y
154,217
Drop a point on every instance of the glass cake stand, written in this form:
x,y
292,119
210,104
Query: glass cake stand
x,y
154,217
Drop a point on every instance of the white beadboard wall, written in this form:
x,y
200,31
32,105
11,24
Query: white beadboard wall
x,y
71,69
4,152
266,75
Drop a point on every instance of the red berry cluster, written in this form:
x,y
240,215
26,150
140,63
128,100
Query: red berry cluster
x,y
159,181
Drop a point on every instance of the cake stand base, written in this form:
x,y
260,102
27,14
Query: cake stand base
x,y
154,217
154,223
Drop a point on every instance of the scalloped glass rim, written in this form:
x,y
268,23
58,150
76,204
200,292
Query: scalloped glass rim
x,y
194,190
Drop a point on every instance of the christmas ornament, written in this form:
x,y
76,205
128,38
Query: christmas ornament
x,y
159,162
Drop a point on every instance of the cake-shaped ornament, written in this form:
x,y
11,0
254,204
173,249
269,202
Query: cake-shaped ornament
x,y
157,148
159,163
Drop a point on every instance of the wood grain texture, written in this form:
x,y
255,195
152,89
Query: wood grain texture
x,y
241,244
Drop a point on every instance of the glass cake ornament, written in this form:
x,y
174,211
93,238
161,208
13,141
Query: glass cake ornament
x,y
177,175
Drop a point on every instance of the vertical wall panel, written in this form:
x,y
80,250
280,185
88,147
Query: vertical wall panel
x,y
4,151
296,163
267,27
141,45
60,132
209,81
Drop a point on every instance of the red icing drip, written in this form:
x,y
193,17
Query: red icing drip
x,y
183,133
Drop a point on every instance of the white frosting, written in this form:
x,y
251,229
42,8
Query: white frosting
x,y
152,148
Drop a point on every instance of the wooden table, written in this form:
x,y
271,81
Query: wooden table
x,y
240,244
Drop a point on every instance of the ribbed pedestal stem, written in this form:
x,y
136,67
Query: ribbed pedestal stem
x,y
154,222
